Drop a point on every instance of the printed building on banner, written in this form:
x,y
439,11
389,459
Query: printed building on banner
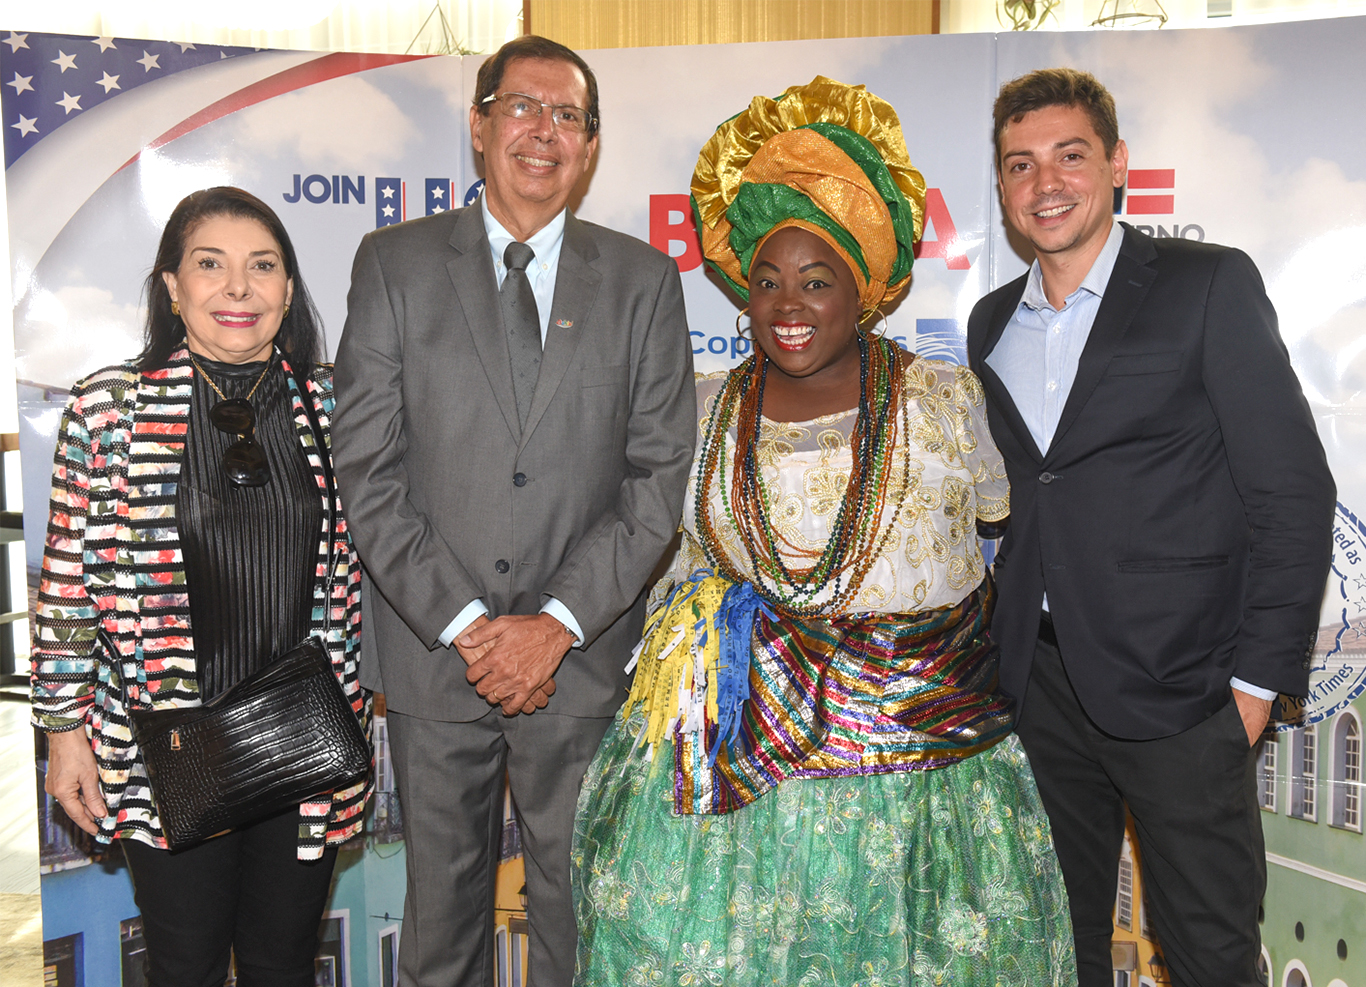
x,y
1309,785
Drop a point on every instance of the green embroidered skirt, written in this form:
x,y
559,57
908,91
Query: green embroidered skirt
x,y
938,877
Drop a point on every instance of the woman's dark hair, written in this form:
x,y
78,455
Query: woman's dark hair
x,y
300,335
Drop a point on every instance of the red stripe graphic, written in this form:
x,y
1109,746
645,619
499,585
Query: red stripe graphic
x,y
1151,205
1152,178
322,69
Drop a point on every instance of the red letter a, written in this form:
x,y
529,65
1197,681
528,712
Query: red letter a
x,y
937,215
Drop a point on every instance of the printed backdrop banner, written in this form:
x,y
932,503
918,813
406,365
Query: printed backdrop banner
x,y
1236,136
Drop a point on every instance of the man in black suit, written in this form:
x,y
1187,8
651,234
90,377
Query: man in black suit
x,y
1169,537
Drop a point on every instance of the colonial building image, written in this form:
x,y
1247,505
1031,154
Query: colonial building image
x,y
1310,788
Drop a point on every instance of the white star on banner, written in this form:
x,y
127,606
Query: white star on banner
x,y
388,210
69,102
105,44
16,41
388,190
184,47
437,209
148,62
21,83
26,125
64,61
109,82
438,192
222,55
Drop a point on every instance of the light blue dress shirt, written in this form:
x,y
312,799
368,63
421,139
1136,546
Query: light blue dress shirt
x,y
1038,352
541,272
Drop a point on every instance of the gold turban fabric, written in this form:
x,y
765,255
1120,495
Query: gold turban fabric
x,y
827,158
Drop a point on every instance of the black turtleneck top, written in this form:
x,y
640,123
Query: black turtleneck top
x,y
250,552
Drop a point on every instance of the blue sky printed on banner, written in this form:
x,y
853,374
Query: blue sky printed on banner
x,y
52,78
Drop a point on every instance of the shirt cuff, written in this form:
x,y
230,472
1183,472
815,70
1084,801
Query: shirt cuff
x,y
1255,691
561,613
472,612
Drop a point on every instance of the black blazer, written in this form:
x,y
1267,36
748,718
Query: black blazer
x,y
1181,520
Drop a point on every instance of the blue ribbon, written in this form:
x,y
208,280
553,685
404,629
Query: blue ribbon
x,y
734,623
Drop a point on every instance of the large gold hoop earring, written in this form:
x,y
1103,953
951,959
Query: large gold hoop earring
x,y
878,335
740,315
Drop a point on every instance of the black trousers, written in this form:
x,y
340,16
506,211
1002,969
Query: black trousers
x,y
1193,799
244,893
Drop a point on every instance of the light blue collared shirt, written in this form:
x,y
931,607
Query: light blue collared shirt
x,y
1038,352
541,272
545,243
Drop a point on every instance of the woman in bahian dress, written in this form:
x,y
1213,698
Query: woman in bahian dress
x,y
813,781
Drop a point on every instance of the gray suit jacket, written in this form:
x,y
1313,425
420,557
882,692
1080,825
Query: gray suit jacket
x,y
449,500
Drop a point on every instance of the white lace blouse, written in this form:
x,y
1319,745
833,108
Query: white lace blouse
x,y
929,557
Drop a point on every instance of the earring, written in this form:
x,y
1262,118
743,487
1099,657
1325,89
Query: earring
x,y
286,315
740,315
175,307
878,335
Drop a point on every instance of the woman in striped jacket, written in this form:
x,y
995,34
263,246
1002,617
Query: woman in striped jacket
x,y
197,545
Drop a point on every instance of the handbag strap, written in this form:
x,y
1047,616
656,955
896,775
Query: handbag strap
x,y
330,481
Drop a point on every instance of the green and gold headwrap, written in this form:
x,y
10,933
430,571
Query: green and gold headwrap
x,y
826,157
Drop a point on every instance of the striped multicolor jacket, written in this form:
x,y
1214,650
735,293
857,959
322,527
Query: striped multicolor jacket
x,y
113,561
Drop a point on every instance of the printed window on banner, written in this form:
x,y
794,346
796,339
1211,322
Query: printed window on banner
x,y
329,966
132,953
1346,785
1266,773
1304,773
1124,893
64,961
510,942
388,956
1145,918
1124,961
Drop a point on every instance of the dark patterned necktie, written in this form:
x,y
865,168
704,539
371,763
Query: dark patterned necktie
x,y
523,325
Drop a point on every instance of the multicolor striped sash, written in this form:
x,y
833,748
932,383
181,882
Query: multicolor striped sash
x,y
749,698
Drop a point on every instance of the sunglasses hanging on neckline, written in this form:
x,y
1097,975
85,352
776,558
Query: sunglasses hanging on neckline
x,y
244,462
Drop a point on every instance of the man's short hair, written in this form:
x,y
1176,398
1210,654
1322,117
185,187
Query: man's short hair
x,y
1057,87
533,46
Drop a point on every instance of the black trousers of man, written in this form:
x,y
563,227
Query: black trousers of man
x,y
1194,802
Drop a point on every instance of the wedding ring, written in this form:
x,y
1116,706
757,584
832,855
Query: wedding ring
x,y
493,697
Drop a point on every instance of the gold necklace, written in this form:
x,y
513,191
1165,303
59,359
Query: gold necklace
x,y
221,395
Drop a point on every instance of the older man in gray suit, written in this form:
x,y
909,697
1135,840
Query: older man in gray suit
x,y
513,433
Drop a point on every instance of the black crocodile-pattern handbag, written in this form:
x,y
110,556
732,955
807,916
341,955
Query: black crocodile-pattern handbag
x,y
277,738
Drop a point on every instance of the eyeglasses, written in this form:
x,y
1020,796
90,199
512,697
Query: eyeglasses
x,y
244,461
520,106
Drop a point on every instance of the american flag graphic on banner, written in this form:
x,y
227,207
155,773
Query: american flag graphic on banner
x,y
50,79
440,195
67,132
391,201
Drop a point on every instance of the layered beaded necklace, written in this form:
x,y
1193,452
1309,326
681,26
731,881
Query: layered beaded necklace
x,y
857,535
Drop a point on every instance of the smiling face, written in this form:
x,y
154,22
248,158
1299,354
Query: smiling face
x,y
804,308
1057,184
532,166
232,289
